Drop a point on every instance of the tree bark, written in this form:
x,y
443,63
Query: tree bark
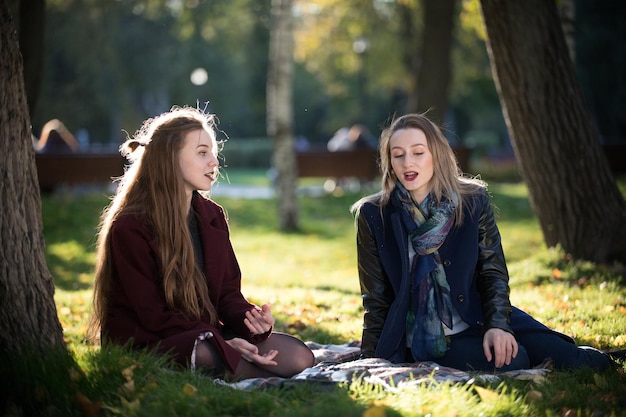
x,y
433,75
32,20
571,187
280,111
28,316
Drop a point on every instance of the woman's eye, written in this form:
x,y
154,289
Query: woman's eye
x,y
397,156
203,153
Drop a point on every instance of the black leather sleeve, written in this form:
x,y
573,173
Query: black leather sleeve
x,y
493,276
375,288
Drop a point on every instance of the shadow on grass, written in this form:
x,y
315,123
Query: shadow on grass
x,y
511,202
123,381
334,289
70,275
563,268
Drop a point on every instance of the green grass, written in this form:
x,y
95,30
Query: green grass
x,y
244,176
310,279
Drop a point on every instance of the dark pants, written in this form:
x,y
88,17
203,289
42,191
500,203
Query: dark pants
x,y
465,352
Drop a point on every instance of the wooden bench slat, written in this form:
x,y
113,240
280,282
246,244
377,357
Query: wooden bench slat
x,y
75,168
359,163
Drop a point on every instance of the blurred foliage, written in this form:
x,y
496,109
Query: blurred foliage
x,y
109,65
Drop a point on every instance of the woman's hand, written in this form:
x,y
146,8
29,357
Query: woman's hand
x,y
503,344
259,321
250,352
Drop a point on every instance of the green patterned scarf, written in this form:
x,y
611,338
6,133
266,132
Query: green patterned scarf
x,y
430,293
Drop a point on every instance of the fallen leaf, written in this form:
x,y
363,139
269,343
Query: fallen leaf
x,y
128,372
90,408
534,396
75,375
297,325
486,395
600,381
131,405
375,411
129,386
189,389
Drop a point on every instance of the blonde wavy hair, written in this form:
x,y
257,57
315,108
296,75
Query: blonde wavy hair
x,y
152,188
448,179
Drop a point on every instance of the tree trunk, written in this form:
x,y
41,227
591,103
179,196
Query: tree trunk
x,y
567,14
35,360
571,187
411,55
32,19
280,112
27,309
433,76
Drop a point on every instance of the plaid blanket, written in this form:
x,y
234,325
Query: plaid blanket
x,y
341,364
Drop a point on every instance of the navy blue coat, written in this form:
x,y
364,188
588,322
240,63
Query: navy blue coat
x,y
475,268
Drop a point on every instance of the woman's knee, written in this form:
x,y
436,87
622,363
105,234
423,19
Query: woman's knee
x,y
208,361
296,355
588,356
306,358
562,353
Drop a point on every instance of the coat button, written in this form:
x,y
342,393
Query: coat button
x,y
460,298
447,262
480,323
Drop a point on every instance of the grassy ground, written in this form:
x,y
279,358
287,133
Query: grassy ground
x,y
310,279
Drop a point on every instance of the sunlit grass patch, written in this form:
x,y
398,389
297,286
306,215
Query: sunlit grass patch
x,y
579,298
310,279
319,315
73,309
71,264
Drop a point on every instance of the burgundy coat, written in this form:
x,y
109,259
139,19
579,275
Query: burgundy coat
x,y
137,309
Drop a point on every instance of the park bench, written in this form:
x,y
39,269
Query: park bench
x,y
322,163
56,169
362,163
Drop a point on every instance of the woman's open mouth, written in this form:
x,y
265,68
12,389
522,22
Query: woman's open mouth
x,y
410,176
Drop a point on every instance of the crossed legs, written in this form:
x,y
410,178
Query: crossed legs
x,y
293,357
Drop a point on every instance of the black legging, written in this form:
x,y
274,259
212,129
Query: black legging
x,y
293,357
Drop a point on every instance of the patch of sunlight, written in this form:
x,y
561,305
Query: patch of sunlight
x,y
73,309
70,250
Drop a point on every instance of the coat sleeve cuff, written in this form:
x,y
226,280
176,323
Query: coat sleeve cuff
x,y
258,338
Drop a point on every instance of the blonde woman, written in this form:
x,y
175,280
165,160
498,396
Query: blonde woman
x,y
432,271
166,276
